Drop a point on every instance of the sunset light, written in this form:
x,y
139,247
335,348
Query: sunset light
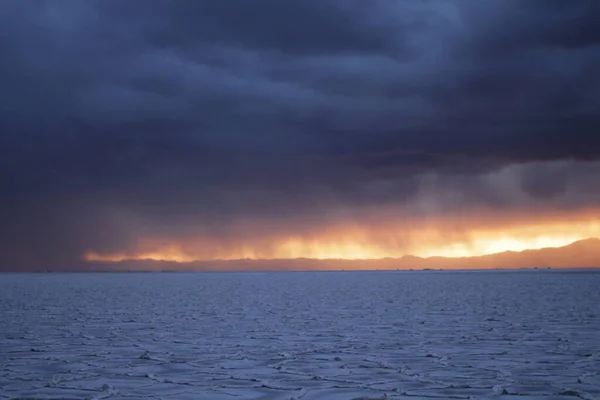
x,y
351,243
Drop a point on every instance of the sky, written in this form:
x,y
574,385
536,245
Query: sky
x,y
199,130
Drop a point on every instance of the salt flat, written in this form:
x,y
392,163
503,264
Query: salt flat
x,y
305,335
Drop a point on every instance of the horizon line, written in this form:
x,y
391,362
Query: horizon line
x,y
333,259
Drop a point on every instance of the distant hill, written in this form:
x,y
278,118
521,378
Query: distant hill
x,y
581,254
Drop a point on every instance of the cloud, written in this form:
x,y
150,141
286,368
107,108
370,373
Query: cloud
x,y
120,119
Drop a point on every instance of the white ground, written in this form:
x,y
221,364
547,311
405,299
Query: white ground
x,y
503,335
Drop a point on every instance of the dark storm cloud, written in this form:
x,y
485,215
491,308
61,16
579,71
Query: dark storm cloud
x,y
293,27
119,117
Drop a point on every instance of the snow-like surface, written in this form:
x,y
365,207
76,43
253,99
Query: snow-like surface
x,y
310,336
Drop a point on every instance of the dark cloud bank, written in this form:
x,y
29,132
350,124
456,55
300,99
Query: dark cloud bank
x,y
120,119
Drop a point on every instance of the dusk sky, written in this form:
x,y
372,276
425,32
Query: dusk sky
x,y
199,130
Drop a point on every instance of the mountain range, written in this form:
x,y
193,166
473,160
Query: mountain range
x,y
581,254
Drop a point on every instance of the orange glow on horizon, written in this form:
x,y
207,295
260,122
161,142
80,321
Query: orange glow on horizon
x,y
359,243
